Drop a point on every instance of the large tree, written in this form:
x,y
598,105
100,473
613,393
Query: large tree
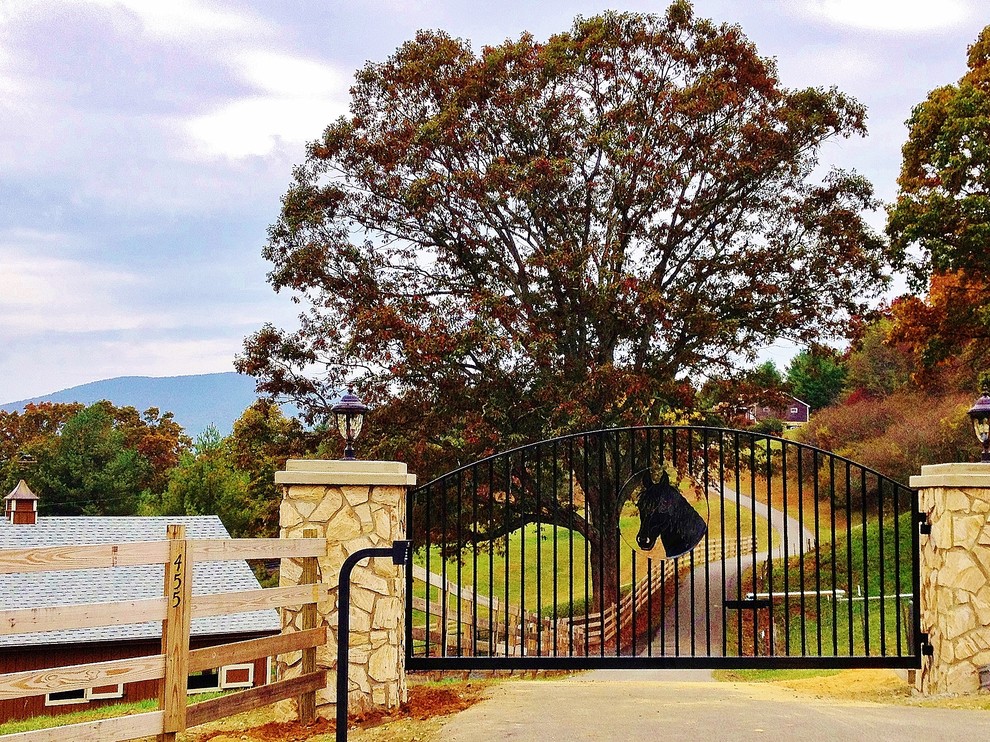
x,y
817,375
940,223
549,236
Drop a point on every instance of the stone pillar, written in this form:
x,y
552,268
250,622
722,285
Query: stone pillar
x,y
955,576
355,505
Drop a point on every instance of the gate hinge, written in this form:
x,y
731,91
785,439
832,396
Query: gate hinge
x,y
927,650
924,526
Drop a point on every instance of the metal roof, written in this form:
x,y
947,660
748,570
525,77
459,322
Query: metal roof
x,y
111,584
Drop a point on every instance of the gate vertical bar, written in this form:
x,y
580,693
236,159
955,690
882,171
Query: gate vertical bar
x,y
866,575
618,545
459,595
882,558
897,566
818,552
754,569
786,547
849,556
721,510
708,578
739,570
539,551
835,598
571,472
492,613
801,544
475,528
555,491
771,646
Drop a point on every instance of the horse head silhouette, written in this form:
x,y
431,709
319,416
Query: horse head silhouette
x,y
665,514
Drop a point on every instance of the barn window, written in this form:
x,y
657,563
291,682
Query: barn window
x,y
237,676
228,676
204,681
105,691
794,410
65,697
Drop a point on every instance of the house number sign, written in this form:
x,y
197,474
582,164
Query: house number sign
x,y
177,581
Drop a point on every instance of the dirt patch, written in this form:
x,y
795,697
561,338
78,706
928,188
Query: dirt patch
x,y
862,686
879,686
417,719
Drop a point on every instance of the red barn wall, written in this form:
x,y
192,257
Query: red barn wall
x,y
36,658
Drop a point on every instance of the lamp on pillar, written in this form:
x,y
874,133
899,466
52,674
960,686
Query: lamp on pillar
x,y
979,413
349,415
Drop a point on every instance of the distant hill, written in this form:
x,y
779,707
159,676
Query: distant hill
x,y
196,401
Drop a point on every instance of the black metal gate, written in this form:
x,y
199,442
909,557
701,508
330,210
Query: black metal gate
x,y
663,547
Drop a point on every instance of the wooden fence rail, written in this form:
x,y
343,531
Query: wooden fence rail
x,y
175,609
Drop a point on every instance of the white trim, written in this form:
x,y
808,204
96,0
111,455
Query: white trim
x,y
225,684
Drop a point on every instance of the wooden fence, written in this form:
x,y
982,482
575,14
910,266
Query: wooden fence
x,y
476,624
174,609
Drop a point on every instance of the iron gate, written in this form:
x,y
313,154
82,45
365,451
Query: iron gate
x,y
663,547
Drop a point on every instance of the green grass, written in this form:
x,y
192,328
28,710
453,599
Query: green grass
x,y
92,714
859,622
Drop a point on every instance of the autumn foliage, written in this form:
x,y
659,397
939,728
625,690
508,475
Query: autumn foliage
x,y
550,236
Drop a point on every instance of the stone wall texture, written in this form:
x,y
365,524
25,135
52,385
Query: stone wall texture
x,y
955,578
351,516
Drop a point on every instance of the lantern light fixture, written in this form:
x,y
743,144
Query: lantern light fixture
x,y
979,413
349,416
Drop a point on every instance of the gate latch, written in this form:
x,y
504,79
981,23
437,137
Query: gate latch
x,y
924,526
927,650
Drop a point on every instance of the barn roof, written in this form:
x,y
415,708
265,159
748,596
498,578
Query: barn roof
x,y
53,588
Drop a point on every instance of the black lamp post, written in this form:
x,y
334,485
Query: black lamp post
x,y
349,416
980,415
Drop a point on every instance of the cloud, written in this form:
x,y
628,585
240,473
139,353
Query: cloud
x,y
181,18
296,100
50,294
892,15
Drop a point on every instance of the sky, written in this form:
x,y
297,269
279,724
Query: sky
x,y
145,146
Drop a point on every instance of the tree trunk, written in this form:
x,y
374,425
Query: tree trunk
x,y
604,543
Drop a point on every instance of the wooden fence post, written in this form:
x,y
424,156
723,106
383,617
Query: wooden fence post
x,y
307,701
175,635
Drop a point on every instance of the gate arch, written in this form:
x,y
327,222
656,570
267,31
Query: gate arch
x,y
530,559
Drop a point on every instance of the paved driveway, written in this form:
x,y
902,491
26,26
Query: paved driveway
x,y
682,707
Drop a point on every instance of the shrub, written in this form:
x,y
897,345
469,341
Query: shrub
x,y
898,434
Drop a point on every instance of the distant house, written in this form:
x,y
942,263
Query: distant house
x,y
793,412
22,528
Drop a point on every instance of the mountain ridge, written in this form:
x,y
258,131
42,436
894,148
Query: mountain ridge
x,y
196,400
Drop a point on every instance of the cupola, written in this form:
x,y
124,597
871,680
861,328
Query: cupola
x,y
21,505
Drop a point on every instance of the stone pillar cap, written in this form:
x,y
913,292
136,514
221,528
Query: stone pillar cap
x,y
953,475
339,472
